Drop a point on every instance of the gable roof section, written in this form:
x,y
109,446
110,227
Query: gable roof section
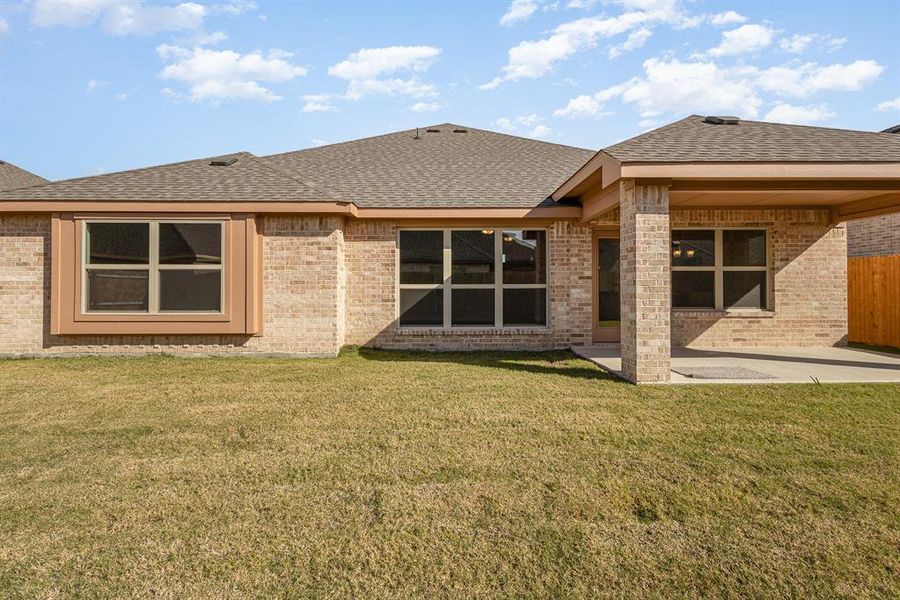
x,y
472,168
12,177
691,140
248,179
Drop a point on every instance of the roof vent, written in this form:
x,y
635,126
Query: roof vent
x,y
721,120
432,131
223,161
460,131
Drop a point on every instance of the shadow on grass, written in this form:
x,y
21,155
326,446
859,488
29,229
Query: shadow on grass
x,y
524,362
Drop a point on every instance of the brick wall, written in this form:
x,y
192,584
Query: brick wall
x,y
317,269
371,304
876,236
809,277
303,280
24,293
645,282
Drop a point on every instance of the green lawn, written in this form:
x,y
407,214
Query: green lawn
x,y
388,474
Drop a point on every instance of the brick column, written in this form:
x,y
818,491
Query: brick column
x,y
645,282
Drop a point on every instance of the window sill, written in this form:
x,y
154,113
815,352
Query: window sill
x,y
461,331
726,314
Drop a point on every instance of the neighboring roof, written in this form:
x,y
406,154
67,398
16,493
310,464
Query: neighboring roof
x,y
473,168
692,140
12,177
247,179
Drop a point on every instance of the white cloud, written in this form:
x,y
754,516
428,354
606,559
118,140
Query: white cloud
x,y
889,105
744,39
797,43
529,125
505,124
370,63
234,7
366,69
727,18
592,106
4,27
636,39
803,80
426,106
519,10
532,59
318,142
93,84
677,87
209,39
789,113
671,86
318,103
122,96
217,75
119,17
540,131
582,4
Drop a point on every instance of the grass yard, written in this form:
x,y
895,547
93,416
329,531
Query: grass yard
x,y
391,474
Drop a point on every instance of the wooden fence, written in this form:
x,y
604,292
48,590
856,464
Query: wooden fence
x,y
874,300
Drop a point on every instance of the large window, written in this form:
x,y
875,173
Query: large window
x,y
473,277
720,269
152,267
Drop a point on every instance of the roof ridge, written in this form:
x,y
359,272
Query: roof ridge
x,y
646,133
425,127
521,137
259,161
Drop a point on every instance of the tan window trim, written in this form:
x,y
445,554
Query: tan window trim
x,y
241,299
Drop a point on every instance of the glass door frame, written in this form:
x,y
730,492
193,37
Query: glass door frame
x,y
601,334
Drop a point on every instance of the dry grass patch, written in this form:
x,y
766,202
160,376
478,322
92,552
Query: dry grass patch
x,y
398,474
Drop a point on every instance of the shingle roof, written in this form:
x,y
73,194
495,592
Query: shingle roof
x,y
692,140
440,169
248,179
12,177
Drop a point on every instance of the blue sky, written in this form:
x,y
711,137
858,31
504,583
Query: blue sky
x,y
91,86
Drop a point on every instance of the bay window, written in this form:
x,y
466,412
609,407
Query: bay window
x,y
721,269
153,267
472,277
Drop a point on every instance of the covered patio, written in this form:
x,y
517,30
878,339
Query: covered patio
x,y
763,365
794,186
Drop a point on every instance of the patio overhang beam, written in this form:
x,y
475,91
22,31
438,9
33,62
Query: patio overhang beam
x,y
875,206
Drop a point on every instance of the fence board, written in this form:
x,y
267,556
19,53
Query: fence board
x,y
873,300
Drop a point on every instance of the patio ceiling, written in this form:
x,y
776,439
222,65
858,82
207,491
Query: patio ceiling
x,y
850,190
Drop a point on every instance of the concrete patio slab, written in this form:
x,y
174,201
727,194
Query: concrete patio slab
x,y
784,365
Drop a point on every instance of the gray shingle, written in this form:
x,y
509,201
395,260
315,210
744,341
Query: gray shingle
x,y
444,169
692,140
12,177
248,179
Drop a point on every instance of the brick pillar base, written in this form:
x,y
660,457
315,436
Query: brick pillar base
x,y
645,282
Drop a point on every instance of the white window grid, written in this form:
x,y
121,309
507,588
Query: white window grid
x,y
498,286
153,267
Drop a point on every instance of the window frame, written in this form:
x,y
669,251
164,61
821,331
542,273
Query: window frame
x,y
152,267
447,285
719,269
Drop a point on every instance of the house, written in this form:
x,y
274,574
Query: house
x,y
876,236
12,177
708,232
